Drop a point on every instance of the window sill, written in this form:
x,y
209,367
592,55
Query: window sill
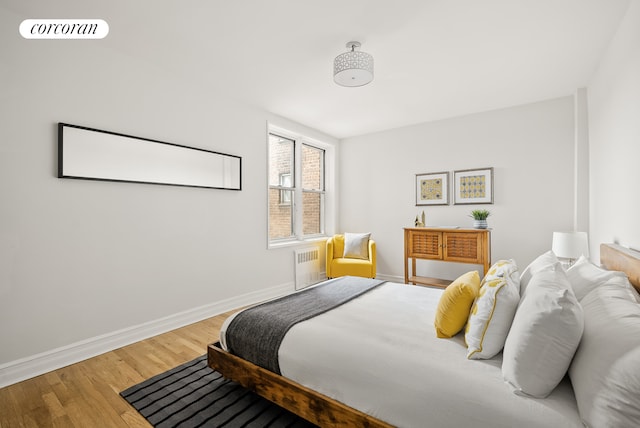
x,y
296,242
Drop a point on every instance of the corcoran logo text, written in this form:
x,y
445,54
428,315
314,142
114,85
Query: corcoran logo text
x,y
64,29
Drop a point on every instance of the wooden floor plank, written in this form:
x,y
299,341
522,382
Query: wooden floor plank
x,y
87,393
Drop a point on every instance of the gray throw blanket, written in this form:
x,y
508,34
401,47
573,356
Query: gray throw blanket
x,y
255,334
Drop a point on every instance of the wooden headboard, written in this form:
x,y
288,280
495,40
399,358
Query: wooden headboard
x,y
616,257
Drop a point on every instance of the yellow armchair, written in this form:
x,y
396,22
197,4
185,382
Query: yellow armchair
x,y
337,265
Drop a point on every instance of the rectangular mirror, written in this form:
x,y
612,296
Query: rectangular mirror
x,y
92,154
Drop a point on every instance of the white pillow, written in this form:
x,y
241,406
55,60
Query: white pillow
x,y
584,277
623,283
605,371
492,312
544,261
356,245
544,335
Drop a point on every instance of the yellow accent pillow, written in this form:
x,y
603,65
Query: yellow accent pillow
x,y
455,303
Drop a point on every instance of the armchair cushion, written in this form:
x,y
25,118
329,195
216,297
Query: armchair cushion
x,y
351,267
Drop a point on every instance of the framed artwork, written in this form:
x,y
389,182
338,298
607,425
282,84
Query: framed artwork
x,y
473,186
432,188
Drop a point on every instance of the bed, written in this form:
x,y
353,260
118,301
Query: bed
x,y
399,373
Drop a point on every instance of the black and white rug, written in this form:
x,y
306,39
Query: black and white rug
x,y
194,395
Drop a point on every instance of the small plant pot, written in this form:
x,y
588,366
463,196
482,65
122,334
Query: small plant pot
x,y
480,224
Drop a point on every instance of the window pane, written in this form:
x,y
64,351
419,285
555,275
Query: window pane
x,y
285,195
280,214
311,213
312,168
280,159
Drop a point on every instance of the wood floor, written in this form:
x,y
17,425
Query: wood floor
x,y
86,394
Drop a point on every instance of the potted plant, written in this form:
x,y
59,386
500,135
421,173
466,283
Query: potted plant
x,y
480,218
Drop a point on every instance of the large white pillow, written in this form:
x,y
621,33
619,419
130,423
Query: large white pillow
x,y
492,312
544,261
356,245
544,335
584,277
605,371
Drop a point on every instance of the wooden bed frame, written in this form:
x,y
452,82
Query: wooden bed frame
x,y
325,411
305,402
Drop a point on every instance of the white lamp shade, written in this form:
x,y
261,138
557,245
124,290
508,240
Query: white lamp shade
x,y
353,68
570,245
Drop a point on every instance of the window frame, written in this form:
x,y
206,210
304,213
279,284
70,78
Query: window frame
x,y
297,190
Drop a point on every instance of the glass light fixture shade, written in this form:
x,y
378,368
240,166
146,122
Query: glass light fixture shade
x,y
570,245
354,68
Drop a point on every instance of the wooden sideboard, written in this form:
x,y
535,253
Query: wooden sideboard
x,y
447,245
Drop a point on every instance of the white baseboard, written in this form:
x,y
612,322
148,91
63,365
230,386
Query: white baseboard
x,y
28,367
391,278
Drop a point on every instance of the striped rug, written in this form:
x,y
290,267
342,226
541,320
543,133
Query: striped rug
x,y
194,395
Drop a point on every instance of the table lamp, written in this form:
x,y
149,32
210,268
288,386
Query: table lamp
x,y
570,245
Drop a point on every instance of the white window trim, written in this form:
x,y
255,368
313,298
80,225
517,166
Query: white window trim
x,y
329,212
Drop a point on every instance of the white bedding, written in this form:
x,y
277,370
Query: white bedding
x,y
379,353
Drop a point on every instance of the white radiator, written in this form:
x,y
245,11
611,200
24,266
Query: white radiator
x,y
308,267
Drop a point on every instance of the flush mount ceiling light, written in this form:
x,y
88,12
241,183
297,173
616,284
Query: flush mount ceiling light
x,y
353,68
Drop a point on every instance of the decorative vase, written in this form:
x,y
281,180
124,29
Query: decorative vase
x,y
480,224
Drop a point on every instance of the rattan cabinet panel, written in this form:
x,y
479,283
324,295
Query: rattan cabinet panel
x,y
445,244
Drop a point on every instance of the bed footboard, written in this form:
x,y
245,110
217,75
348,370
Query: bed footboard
x,y
304,402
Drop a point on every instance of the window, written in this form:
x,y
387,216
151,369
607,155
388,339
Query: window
x,y
296,189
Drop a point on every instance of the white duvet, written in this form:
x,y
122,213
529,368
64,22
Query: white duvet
x,y
379,353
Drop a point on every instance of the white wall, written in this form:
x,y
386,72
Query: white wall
x,y
530,147
80,259
614,139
